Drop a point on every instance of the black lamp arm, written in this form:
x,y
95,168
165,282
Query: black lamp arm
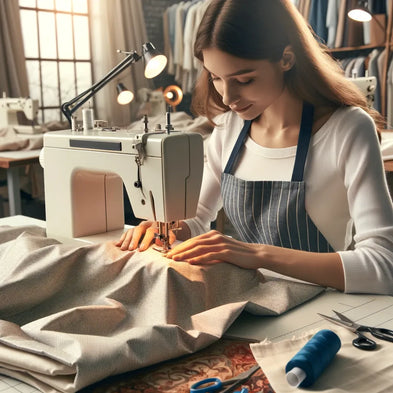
x,y
68,108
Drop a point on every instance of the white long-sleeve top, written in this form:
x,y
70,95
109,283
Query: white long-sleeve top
x,y
346,190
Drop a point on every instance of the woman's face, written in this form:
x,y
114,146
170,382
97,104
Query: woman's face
x,y
248,87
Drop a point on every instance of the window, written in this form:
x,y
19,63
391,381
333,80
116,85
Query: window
x,y
57,50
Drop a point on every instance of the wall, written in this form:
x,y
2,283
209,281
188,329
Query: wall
x,y
153,10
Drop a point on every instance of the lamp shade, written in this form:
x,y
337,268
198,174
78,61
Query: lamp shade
x,y
361,12
124,96
155,61
173,95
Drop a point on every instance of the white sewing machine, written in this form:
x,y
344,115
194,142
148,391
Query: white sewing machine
x,y
367,85
19,113
84,174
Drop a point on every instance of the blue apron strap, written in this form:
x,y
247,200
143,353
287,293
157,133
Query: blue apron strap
x,y
303,141
238,145
302,147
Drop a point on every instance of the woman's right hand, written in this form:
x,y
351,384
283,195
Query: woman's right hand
x,y
144,233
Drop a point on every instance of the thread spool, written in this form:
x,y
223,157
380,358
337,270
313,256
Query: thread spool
x,y
87,118
309,363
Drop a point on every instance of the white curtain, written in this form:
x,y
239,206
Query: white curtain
x,y
117,24
13,74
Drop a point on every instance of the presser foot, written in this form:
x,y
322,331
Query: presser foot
x,y
163,234
164,248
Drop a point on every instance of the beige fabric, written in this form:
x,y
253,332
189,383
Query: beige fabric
x,y
71,316
11,140
351,371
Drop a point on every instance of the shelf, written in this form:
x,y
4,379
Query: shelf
x,y
356,48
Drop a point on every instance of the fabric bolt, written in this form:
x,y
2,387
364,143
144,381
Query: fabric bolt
x,y
71,316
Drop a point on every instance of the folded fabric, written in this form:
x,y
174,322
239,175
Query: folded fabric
x,y
71,316
352,370
11,140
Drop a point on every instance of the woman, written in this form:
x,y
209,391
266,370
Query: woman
x,y
294,158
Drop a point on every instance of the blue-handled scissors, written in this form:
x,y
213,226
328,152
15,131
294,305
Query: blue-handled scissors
x,y
361,342
216,385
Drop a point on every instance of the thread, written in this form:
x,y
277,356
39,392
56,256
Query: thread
x,y
87,117
310,362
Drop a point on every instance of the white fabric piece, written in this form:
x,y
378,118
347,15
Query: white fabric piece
x,y
71,316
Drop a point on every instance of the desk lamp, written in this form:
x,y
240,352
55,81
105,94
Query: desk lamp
x,y
124,96
173,95
361,13
155,64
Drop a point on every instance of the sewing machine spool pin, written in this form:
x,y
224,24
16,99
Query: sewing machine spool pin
x,y
168,126
146,124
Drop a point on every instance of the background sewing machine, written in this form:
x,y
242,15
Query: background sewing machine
x,y
84,174
20,114
367,85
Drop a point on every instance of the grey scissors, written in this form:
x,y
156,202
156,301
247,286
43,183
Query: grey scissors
x,y
361,342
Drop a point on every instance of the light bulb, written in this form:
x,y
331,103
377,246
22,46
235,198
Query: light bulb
x,y
125,97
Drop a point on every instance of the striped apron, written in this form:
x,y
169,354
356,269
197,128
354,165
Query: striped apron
x,y
273,212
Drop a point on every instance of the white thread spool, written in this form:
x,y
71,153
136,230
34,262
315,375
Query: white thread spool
x,y
87,117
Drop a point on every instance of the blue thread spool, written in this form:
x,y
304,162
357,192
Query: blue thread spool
x,y
309,363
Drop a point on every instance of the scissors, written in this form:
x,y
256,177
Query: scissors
x,y
361,342
216,385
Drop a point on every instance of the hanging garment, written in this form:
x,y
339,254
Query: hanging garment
x,y
273,212
317,19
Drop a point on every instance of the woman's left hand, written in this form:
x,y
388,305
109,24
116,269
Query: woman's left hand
x,y
214,247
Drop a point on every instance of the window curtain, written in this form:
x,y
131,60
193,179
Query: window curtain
x,y
117,24
13,73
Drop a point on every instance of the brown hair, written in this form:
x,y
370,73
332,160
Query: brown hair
x,y
261,29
